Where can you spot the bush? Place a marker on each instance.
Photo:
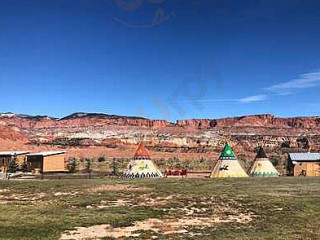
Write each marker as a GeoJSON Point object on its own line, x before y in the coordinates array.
{"type": "Point", "coordinates": [24, 166]}
{"type": "Point", "coordinates": [72, 165]}
{"type": "Point", "coordinates": [275, 160]}
{"type": "Point", "coordinates": [89, 162]}
{"type": "Point", "coordinates": [102, 159]}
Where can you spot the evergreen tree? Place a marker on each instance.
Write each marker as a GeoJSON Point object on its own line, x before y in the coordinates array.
{"type": "Point", "coordinates": [114, 167]}
{"type": "Point", "coordinates": [13, 167]}
{"type": "Point", "coordinates": [89, 162]}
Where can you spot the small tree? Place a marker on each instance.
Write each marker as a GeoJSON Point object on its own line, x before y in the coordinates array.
{"type": "Point", "coordinates": [89, 162]}
{"type": "Point", "coordinates": [114, 167]}
{"type": "Point", "coordinates": [13, 166]}
{"type": "Point", "coordinates": [72, 165]}
{"type": "Point", "coordinates": [24, 166]}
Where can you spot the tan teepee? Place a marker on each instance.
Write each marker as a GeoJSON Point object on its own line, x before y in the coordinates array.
{"type": "Point", "coordinates": [227, 165]}
{"type": "Point", "coordinates": [141, 166]}
{"type": "Point", "coordinates": [262, 167]}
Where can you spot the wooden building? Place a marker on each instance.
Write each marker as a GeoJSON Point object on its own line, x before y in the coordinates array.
{"type": "Point", "coordinates": [303, 164]}
{"type": "Point", "coordinates": [44, 162]}
{"type": "Point", "coordinates": [6, 157]}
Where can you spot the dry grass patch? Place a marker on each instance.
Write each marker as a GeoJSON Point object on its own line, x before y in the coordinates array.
{"type": "Point", "coordinates": [57, 194]}
{"type": "Point", "coordinates": [190, 212]}
{"type": "Point", "coordinates": [158, 226]}
{"type": "Point", "coordinates": [143, 200]}
{"type": "Point", "coordinates": [116, 188]}
{"type": "Point", "coordinates": [15, 197]}
{"type": "Point", "coordinates": [4, 190]}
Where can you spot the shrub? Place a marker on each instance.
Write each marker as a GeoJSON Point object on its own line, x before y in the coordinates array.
{"type": "Point", "coordinates": [24, 166]}
{"type": "Point", "coordinates": [114, 167]}
{"type": "Point", "coordinates": [89, 162]}
{"type": "Point", "coordinates": [102, 159]}
{"type": "Point", "coordinates": [72, 165]}
{"type": "Point", "coordinates": [275, 160]}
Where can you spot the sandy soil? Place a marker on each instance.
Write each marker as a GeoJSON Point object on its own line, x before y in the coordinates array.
{"type": "Point", "coordinates": [158, 226]}
{"type": "Point", "coordinates": [195, 213]}
{"type": "Point", "coordinates": [119, 188]}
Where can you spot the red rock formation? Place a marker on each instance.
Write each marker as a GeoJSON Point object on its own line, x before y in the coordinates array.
{"type": "Point", "coordinates": [8, 133]}
{"type": "Point", "coordinates": [185, 136]}
{"type": "Point", "coordinates": [264, 120]}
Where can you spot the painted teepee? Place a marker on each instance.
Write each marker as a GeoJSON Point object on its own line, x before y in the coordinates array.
{"type": "Point", "coordinates": [262, 167]}
{"type": "Point", "coordinates": [141, 166]}
{"type": "Point", "coordinates": [227, 165]}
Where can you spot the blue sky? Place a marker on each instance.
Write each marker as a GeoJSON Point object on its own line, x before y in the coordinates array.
{"type": "Point", "coordinates": [167, 59]}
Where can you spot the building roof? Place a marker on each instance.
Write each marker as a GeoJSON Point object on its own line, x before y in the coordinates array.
{"type": "Point", "coordinates": [261, 153]}
{"type": "Point", "coordinates": [227, 153]}
{"type": "Point", "coordinates": [12, 153]}
{"type": "Point", "coordinates": [304, 157]}
{"type": "Point", "coordinates": [46, 154]}
{"type": "Point", "coordinates": [141, 151]}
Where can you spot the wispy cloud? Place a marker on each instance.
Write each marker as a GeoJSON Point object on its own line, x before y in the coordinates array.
{"type": "Point", "coordinates": [249, 99]}
{"type": "Point", "coordinates": [307, 80]}
{"type": "Point", "coordinates": [254, 98]}
{"type": "Point", "coordinates": [206, 100]}
{"type": "Point", "coordinates": [303, 81]}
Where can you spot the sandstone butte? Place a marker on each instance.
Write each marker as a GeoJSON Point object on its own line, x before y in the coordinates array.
{"type": "Point", "coordinates": [93, 134]}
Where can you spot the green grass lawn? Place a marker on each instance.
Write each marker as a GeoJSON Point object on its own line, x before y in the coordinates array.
{"type": "Point", "coordinates": [279, 208]}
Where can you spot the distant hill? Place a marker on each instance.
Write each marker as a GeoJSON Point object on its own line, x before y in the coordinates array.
{"type": "Point", "coordinates": [184, 138]}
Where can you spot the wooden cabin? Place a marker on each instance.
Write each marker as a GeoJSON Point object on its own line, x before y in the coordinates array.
{"type": "Point", "coordinates": [303, 164]}
{"type": "Point", "coordinates": [45, 162]}
{"type": "Point", "coordinates": [6, 157]}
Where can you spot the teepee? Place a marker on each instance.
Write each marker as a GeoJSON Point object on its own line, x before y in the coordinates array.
{"type": "Point", "coordinates": [227, 165]}
{"type": "Point", "coordinates": [141, 166]}
{"type": "Point", "coordinates": [262, 167]}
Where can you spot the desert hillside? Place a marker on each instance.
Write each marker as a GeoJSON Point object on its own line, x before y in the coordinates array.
{"type": "Point", "coordinates": [90, 134]}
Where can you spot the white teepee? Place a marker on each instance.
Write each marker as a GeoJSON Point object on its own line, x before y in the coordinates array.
{"type": "Point", "coordinates": [141, 166]}
{"type": "Point", "coordinates": [227, 165]}
{"type": "Point", "coordinates": [262, 167]}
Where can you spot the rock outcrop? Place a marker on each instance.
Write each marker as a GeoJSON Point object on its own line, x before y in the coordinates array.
{"type": "Point", "coordinates": [202, 136]}
{"type": "Point", "coordinates": [264, 120]}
